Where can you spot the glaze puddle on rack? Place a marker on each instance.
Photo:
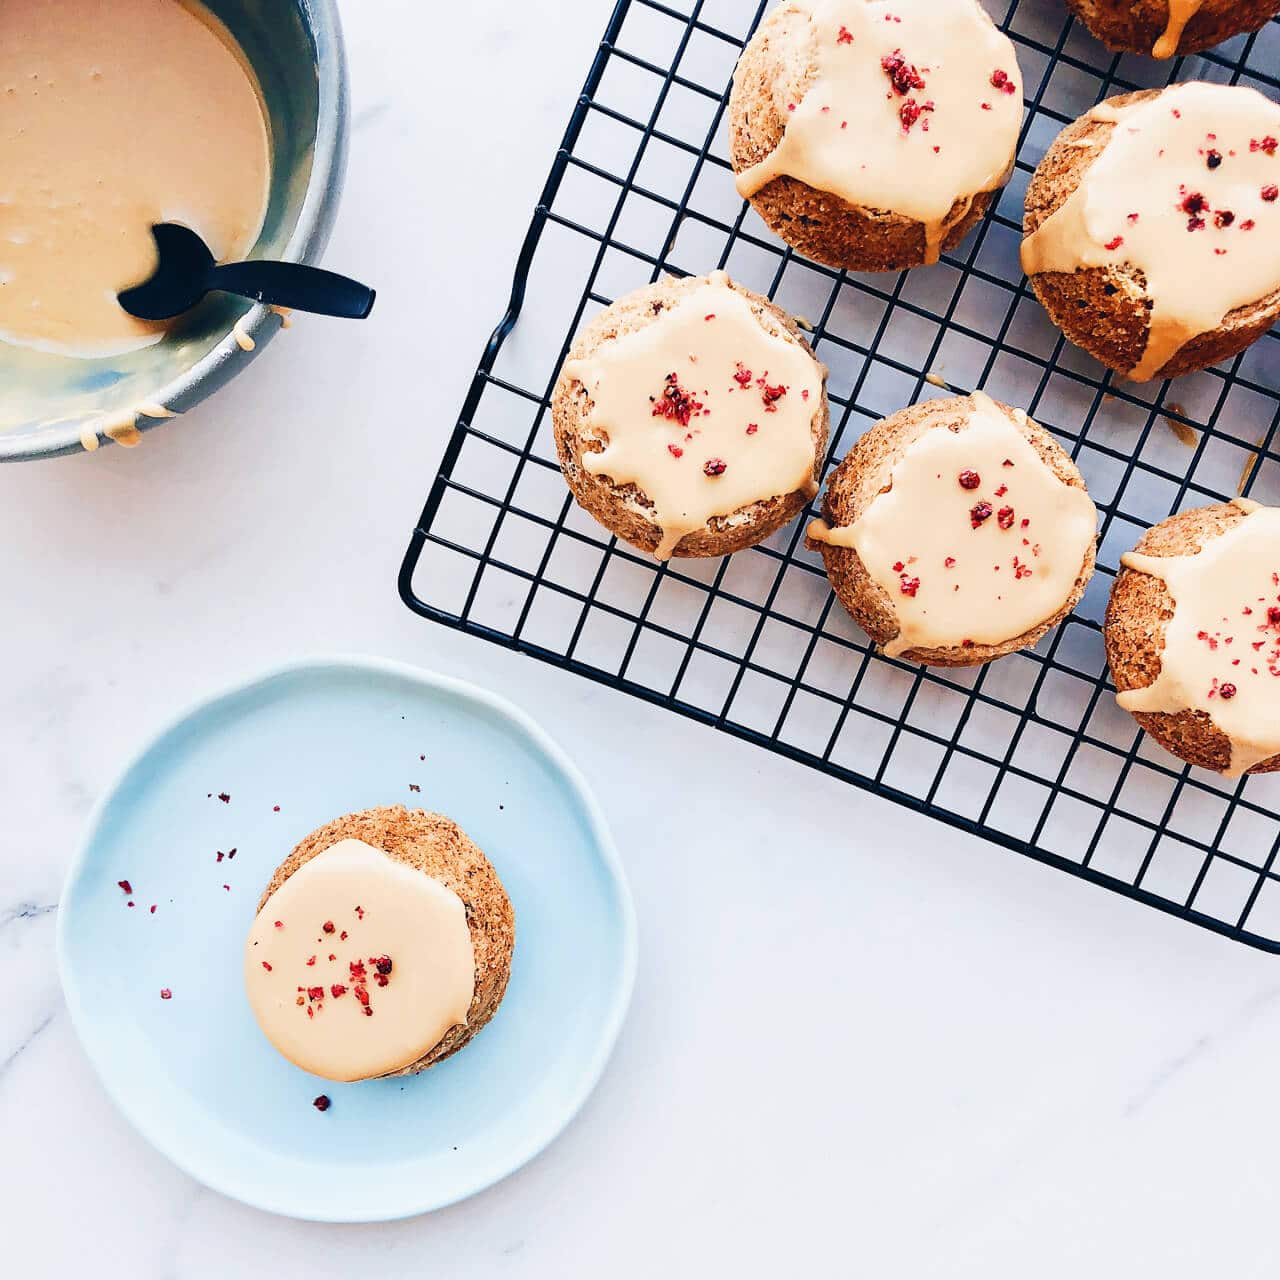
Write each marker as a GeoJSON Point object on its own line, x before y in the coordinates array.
{"type": "Point", "coordinates": [1030, 752]}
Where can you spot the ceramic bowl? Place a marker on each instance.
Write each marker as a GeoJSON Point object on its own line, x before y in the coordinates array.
{"type": "Point", "coordinates": [58, 404]}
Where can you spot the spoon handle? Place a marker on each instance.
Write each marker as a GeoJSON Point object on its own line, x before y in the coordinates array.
{"type": "Point", "coordinates": [290, 284]}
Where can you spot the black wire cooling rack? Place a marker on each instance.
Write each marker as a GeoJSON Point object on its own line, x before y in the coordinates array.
{"type": "Point", "coordinates": [1030, 752]}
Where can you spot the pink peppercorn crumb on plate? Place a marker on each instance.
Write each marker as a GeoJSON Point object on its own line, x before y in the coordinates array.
{"type": "Point", "coordinates": [163, 893]}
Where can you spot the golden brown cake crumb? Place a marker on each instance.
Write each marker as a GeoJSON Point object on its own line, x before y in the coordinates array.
{"type": "Point", "coordinates": [1156, 26]}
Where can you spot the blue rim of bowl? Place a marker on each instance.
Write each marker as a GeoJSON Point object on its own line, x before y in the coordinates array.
{"type": "Point", "coordinates": [306, 244]}
{"type": "Point", "coordinates": [155, 1132]}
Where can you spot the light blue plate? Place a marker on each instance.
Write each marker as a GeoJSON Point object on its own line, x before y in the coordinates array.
{"type": "Point", "coordinates": [194, 1073]}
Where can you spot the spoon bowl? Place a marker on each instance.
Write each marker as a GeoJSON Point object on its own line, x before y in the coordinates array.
{"type": "Point", "coordinates": [178, 282]}
{"type": "Point", "coordinates": [186, 272]}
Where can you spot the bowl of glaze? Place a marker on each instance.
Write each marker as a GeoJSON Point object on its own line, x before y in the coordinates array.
{"type": "Point", "coordinates": [55, 404]}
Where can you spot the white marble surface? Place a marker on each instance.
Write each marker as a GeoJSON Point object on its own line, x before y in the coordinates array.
{"type": "Point", "coordinates": [860, 1044]}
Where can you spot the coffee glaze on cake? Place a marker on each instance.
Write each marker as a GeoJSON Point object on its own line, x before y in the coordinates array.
{"type": "Point", "coordinates": [1193, 636]}
{"type": "Point", "coordinates": [1163, 28]}
{"type": "Point", "coordinates": [1153, 228]}
{"type": "Point", "coordinates": [957, 531]}
{"type": "Point", "coordinates": [358, 964]}
{"type": "Point", "coordinates": [691, 418]}
{"type": "Point", "coordinates": [897, 119]}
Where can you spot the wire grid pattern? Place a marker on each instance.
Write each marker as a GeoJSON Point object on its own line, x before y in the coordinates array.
{"type": "Point", "coordinates": [1031, 751]}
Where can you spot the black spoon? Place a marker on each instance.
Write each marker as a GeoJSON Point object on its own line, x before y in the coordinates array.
{"type": "Point", "coordinates": [187, 272]}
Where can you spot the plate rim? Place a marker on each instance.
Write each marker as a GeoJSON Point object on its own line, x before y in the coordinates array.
{"type": "Point", "coordinates": [515, 717]}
